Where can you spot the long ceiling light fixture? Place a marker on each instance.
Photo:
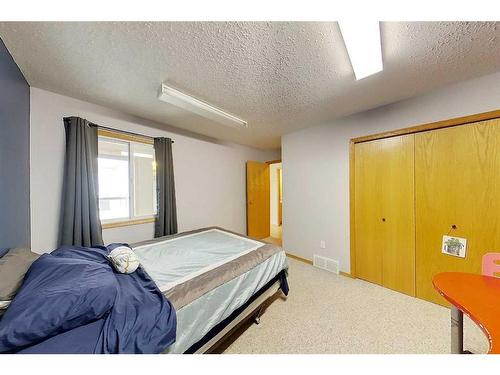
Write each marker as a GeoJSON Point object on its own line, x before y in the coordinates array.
{"type": "Point", "coordinates": [362, 41]}
{"type": "Point", "coordinates": [175, 97]}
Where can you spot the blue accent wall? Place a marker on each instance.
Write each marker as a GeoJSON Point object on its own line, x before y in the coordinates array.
{"type": "Point", "coordinates": [14, 153]}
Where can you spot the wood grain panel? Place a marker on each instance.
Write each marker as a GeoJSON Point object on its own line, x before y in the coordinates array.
{"type": "Point", "coordinates": [258, 200]}
{"type": "Point", "coordinates": [384, 212]}
{"type": "Point", "coordinates": [124, 136]}
{"type": "Point", "coordinates": [369, 171]}
{"type": "Point", "coordinates": [126, 223]}
{"type": "Point", "coordinates": [398, 210]}
{"type": "Point", "coordinates": [457, 175]}
{"type": "Point", "coordinates": [432, 126]}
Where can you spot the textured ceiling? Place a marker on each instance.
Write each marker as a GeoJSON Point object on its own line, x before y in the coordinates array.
{"type": "Point", "coordinates": [279, 76]}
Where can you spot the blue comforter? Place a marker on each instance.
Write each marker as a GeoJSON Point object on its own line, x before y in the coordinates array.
{"type": "Point", "coordinates": [73, 301]}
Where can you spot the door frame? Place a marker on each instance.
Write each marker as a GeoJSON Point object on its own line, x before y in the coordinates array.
{"type": "Point", "coordinates": [484, 116]}
{"type": "Point", "coordinates": [277, 162]}
{"type": "Point", "coordinates": [273, 161]}
{"type": "Point", "coordinates": [269, 162]}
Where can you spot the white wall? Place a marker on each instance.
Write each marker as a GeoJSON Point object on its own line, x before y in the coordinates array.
{"type": "Point", "coordinates": [316, 163]}
{"type": "Point", "coordinates": [209, 175]}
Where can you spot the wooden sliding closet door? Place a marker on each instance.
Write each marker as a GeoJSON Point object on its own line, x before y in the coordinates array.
{"type": "Point", "coordinates": [368, 190]}
{"type": "Point", "coordinates": [398, 269]}
{"type": "Point", "coordinates": [385, 212]}
{"type": "Point", "coordinates": [457, 175]}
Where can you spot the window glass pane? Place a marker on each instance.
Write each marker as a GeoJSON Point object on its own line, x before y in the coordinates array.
{"type": "Point", "coordinates": [144, 179]}
{"type": "Point", "coordinates": [113, 166]}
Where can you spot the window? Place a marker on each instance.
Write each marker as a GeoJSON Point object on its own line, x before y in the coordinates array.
{"type": "Point", "coordinates": [127, 179]}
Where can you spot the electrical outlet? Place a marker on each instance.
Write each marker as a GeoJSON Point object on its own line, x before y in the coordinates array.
{"type": "Point", "coordinates": [322, 244]}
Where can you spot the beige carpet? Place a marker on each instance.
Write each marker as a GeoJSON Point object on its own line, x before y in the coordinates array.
{"type": "Point", "coordinates": [327, 313]}
{"type": "Point", "coordinates": [276, 235]}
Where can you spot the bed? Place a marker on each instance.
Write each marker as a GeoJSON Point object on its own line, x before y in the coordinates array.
{"type": "Point", "coordinates": [215, 279]}
{"type": "Point", "coordinates": [212, 278]}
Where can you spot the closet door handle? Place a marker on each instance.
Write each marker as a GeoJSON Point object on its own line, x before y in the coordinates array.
{"type": "Point", "coordinates": [383, 219]}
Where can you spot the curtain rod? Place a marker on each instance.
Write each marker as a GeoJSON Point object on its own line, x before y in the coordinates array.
{"type": "Point", "coordinates": [126, 132]}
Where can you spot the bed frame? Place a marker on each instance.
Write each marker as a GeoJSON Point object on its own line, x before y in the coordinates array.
{"type": "Point", "coordinates": [250, 310]}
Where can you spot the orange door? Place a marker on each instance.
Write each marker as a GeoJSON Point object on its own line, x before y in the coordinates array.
{"type": "Point", "coordinates": [258, 200]}
{"type": "Point", "coordinates": [458, 194]}
{"type": "Point", "coordinates": [384, 212]}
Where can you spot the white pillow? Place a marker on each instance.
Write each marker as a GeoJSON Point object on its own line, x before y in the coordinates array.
{"type": "Point", "coordinates": [124, 260]}
{"type": "Point", "coordinates": [3, 307]}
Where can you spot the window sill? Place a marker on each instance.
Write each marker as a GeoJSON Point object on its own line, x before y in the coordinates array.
{"type": "Point", "coordinates": [126, 223]}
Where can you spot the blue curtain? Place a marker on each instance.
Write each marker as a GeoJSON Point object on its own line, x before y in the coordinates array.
{"type": "Point", "coordinates": [80, 223]}
{"type": "Point", "coordinates": [166, 219]}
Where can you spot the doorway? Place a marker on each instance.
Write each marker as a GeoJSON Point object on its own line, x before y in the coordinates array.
{"type": "Point", "coordinates": [276, 203]}
{"type": "Point", "coordinates": [265, 200]}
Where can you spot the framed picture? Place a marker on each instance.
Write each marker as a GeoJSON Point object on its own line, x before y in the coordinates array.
{"type": "Point", "coordinates": [455, 246]}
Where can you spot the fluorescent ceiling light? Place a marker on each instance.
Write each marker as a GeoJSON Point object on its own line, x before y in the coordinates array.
{"type": "Point", "coordinates": [362, 40]}
{"type": "Point", "coordinates": [175, 97]}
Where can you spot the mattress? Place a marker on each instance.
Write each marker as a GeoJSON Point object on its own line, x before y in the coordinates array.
{"type": "Point", "coordinates": [207, 274]}
{"type": "Point", "coordinates": [175, 260]}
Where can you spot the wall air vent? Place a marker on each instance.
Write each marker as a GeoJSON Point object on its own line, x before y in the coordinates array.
{"type": "Point", "coordinates": [327, 264]}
